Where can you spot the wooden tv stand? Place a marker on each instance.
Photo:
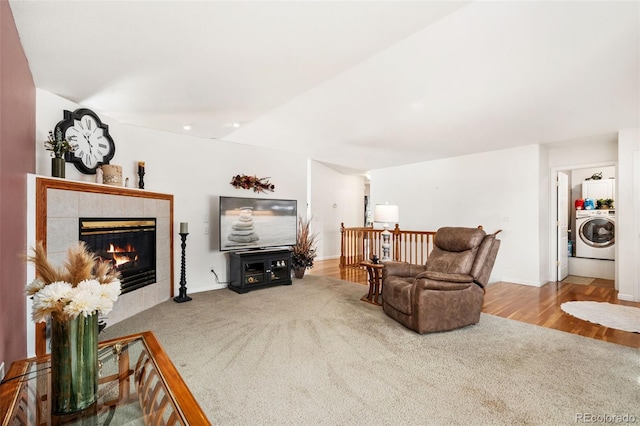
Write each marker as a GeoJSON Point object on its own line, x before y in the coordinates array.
{"type": "Point", "coordinates": [255, 269]}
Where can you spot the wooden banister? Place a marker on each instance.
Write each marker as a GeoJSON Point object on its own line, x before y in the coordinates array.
{"type": "Point", "coordinates": [361, 243]}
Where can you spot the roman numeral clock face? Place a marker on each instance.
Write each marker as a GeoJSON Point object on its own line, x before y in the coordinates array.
{"type": "Point", "coordinates": [90, 137]}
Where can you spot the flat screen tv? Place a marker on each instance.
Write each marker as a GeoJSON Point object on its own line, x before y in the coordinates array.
{"type": "Point", "coordinates": [257, 223]}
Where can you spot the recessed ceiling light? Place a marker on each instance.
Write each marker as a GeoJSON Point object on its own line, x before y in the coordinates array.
{"type": "Point", "coordinates": [236, 125]}
{"type": "Point", "coordinates": [187, 127]}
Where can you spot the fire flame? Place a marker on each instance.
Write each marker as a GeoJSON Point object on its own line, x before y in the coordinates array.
{"type": "Point", "coordinates": [122, 255]}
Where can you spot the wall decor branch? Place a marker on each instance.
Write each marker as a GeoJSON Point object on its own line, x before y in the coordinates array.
{"type": "Point", "coordinates": [252, 182]}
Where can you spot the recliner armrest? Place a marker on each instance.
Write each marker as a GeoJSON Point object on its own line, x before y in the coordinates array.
{"type": "Point", "coordinates": [401, 269]}
{"type": "Point", "coordinates": [427, 284]}
{"type": "Point", "coordinates": [430, 280]}
{"type": "Point", "coordinates": [442, 276]}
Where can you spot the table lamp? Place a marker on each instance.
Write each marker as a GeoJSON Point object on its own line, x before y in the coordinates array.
{"type": "Point", "coordinates": [385, 214]}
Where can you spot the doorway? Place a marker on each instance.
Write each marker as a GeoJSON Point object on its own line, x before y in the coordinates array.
{"type": "Point", "coordinates": [572, 257]}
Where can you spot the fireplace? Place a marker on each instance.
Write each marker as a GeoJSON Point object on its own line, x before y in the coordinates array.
{"type": "Point", "coordinates": [128, 243]}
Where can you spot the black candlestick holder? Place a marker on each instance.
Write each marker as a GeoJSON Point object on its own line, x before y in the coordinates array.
{"type": "Point", "coordinates": [182, 295]}
{"type": "Point", "coordinates": [140, 178]}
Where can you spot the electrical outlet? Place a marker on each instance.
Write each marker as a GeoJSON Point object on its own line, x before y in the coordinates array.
{"type": "Point", "coordinates": [206, 230]}
{"type": "Point", "coordinates": [206, 218]}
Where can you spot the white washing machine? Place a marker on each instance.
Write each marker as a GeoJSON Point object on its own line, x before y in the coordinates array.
{"type": "Point", "coordinates": [596, 234]}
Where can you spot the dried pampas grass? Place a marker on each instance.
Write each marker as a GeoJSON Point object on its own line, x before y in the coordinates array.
{"type": "Point", "coordinates": [47, 272]}
{"type": "Point", "coordinates": [81, 265]}
{"type": "Point", "coordinates": [304, 251]}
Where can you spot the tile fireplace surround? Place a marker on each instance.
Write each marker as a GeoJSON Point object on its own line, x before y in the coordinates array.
{"type": "Point", "coordinates": [60, 203]}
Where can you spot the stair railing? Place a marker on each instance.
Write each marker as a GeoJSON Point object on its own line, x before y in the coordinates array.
{"type": "Point", "coordinates": [361, 243]}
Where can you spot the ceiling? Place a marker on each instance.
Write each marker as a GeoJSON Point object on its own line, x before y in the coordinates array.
{"type": "Point", "coordinates": [358, 85]}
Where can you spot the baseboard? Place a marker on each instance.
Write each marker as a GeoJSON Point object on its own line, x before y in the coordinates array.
{"type": "Point", "coordinates": [626, 297]}
{"type": "Point", "coordinates": [216, 286]}
{"type": "Point", "coordinates": [337, 256]}
{"type": "Point", "coordinates": [523, 282]}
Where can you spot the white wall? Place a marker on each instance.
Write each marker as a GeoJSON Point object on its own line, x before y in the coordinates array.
{"type": "Point", "coordinates": [195, 170]}
{"type": "Point", "coordinates": [584, 152]}
{"type": "Point", "coordinates": [335, 198]}
{"type": "Point", "coordinates": [627, 220]}
{"type": "Point", "coordinates": [544, 223]}
{"type": "Point", "coordinates": [497, 189]}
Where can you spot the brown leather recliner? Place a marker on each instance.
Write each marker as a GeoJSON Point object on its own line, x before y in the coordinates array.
{"type": "Point", "coordinates": [448, 291]}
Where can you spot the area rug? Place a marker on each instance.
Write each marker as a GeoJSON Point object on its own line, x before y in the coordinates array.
{"type": "Point", "coordinates": [572, 279]}
{"type": "Point", "coordinates": [312, 353]}
{"type": "Point", "coordinates": [620, 317]}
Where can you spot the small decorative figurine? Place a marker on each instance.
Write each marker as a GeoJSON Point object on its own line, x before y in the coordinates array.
{"type": "Point", "coordinates": [595, 176]}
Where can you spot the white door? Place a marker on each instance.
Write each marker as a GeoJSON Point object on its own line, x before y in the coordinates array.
{"type": "Point", "coordinates": [562, 189]}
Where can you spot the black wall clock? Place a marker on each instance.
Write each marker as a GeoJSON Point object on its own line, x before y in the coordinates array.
{"type": "Point", "coordinates": [94, 146]}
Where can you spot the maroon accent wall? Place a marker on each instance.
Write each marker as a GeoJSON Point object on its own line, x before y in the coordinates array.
{"type": "Point", "coordinates": [17, 158]}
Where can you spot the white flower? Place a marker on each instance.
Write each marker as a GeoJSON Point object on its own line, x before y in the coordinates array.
{"type": "Point", "coordinates": [85, 301]}
{"type": "Point", "coordinates": [111, 290]}
{"type": "Point", "coordinates": [89, 285]}
{"type": "Point", "coordinates": [109, 295]}
{"type": "Point", "coordinates": [51, 296]}
{"type": "Point", "coordinates": [105, 306]}
{"type": "Point", "coordinates": [35, 286]}
{"type": "Point", "coordinates": [50, 299]}
{"type": "Point", "coordinates": [87, 298]}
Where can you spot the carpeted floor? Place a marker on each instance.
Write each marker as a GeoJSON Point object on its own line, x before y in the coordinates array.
{"type": "Point", "coordinates": [313, 353]}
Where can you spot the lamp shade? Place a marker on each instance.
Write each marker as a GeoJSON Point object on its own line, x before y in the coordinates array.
{"type": "Point", "coordinates": [385, 213]}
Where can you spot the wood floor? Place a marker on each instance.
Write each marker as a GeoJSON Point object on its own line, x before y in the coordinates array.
{"type": "Point", "coordinates": [533, 305]}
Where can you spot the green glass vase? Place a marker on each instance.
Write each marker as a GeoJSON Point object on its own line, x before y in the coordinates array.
{"type": "Point", "coordinates": [74, 363]}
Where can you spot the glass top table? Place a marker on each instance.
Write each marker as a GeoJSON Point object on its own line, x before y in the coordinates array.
{"type": "Point", "coordinates": [138, 385]}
